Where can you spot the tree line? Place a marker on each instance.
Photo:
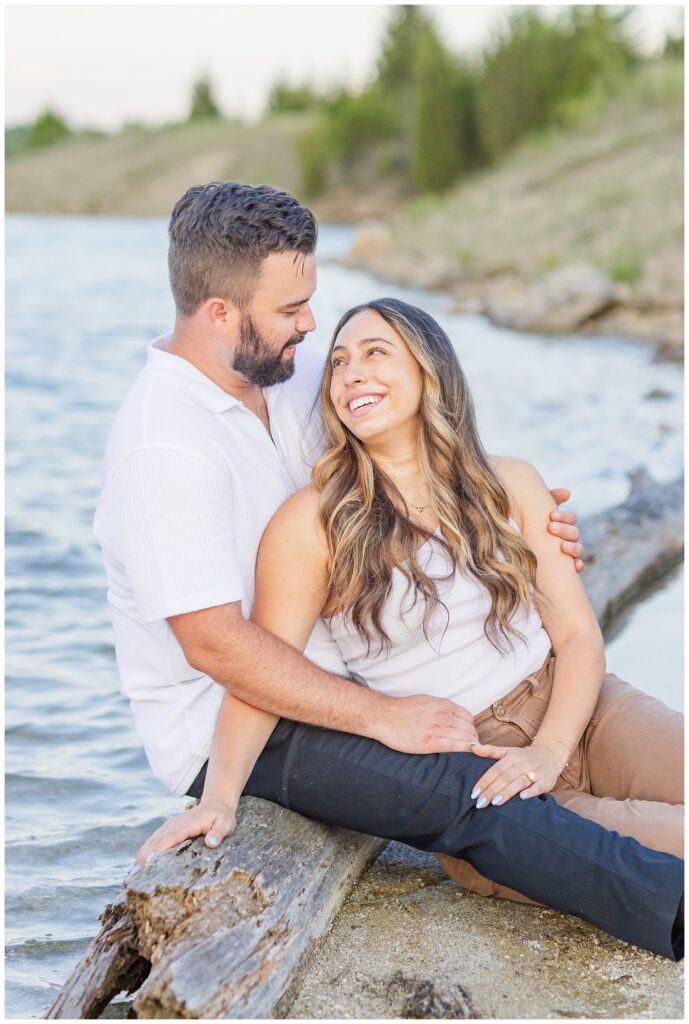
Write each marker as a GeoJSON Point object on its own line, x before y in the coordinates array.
{"type": "Point", "coordinates": [429, 116]}
{"type": "Point", "coordinates": [51, 126]}
{"type": "Point", "coordinates": [432, 116]}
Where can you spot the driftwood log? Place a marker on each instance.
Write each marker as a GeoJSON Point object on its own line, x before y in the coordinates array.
{"type": "Point", "coordinates": [221, 934]}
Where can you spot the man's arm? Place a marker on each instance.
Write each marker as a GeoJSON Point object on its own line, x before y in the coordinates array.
{"type": "Point", "coordinates": [263, 666]}
{"type": "Point", "coordinates": [262, 670]}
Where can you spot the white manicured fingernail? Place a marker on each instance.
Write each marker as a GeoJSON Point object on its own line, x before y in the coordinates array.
{"type": "Point", "coordinates": [524, 795]}
{"type": "Point", "coordinates": [212, 840]}
{"type": "Point", "coordinates": [476, 792]}
{"type": "Point", "coordinates": [133, 869]}
{"type": "Point", "coordinates": [151, 856]}
{"type": "Point", "coordinates": [497, 799]}
{"type": "Point", "coordinates": [482, 802]}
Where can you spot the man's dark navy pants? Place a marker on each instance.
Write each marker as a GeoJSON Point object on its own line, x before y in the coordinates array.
{"type": "Point", "coordinates": [534, 846]}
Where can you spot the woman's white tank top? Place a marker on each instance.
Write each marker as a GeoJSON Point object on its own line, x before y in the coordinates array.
{"type": "Point", "coordinates": [456, 661]}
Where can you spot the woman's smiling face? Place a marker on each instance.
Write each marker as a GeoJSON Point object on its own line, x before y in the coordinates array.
{"type": "Point", "coordinates": [376, 382]}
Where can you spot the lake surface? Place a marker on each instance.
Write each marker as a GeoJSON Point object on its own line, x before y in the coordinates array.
{"type": "Point", "coordinates": [84, 299]}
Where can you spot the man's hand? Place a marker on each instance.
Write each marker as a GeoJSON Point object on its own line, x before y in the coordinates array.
{"type": "Point", "coordinates": [564, 525]}
{"type": "Point", "coordinates": [426, 725]}
{"type": "Point", "coordinates": [213, 819]}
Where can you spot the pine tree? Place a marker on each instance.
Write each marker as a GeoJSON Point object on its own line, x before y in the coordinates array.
{"type": "Point", "coordinates": [203, 105]}
{"type": "Point", "coordinates": [48, 128]}
{"type": "Point", "coordinates": [436, 128]}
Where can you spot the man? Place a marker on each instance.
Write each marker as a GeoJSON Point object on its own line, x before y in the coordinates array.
{"type": "Point", "coordinates": [198, 460]}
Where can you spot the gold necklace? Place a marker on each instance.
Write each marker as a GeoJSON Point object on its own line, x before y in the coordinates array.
{"type": "Point", "coordinates": [419, 508]}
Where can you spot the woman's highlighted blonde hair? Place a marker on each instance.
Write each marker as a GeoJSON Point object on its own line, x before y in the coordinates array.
{"type": "Point", "coordinates": [366, 519]}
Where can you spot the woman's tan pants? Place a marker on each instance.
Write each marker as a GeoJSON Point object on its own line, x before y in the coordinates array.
{"type": "Point", "coordinates": [626, 773]}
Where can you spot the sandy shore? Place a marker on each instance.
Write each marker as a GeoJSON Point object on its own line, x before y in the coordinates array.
{"type": "Point", "coordinates": [408, 942]}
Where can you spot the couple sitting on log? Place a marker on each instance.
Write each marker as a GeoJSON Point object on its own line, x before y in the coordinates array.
{"type": "Point", "coordinates": [258, 503]}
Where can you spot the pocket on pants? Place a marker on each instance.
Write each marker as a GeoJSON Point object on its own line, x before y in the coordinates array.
{"type": "Point", "coordinates": [516, 718]}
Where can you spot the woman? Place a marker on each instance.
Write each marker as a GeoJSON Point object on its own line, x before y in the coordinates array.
{"type": "Point", "coordinates": [429, 562]}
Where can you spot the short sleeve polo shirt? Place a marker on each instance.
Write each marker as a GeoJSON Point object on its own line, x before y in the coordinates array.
{"type": "Point", "coordinates": [191, 478]}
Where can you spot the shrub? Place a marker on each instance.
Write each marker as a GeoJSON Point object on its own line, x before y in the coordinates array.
{"type": "Point", "coordinates": [47, 129]}
{"type": "Point", "coordinates": [348, 127]}
{"type": "Point", "coordinates": [535, 69]}
{"type": "Point", "coordinates": [203, 106]}
{"type": "Point", "coordinates": [289, 99]}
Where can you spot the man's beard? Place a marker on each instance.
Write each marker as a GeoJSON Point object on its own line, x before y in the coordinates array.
{"type": "Point", "coordinates": [255, 361]}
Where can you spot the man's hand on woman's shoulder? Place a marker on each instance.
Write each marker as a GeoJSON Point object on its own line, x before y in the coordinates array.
{"type": "Point", "coordinates": [518, 475]}
{"type": "Point", "coordinates": [563, 523]}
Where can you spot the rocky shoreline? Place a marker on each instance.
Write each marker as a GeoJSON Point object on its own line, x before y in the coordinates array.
{"type": "Point", "coordinates": [577, 231]}
{"type": "Point", "coordinates": [577, 298]}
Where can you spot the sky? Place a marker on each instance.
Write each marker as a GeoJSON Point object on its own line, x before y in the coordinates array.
{"type": "Point", "coordinates": [104, 64]}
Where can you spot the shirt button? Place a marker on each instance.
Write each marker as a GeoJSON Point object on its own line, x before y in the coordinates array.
{"type": "Point", "coordinates": [500, 710]}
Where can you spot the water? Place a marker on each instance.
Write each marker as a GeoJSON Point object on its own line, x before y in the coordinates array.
{"type": "Point", "coordinates": [84, 298]}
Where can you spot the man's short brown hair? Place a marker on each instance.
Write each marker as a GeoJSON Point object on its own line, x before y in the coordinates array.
{"type": "Point", "coordinates": [221, 232]}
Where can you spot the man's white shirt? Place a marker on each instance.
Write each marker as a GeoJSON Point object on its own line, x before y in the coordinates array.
{"type": "Point", "coordinates": [191, 478]}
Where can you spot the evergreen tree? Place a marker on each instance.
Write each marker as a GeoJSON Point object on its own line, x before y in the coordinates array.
{"type": "Point", "coordinates": [436, 126]}
{"type": "Point", "coordinates": [408, 27]}
{"type": "Point", "coordinates": [674, 47]}
{"type": "Point", "coordinates": [535, 68]}
{"type": "Point", "coordinates": [203, 105]}
{"type": "Point", "coordinates": [48, 128]}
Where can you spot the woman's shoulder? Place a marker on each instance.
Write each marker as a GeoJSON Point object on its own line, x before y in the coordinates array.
{"type": "Point", "coordinates": [292, 565]}
{"type": "Point", "coordinates": [512, 469]}
{"type": "Point", "coordinates": [524, 484]}
{"type": "Point", "coordinates": [297, 519]}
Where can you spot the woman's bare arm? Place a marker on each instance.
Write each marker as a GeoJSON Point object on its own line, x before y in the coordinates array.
{"type": "Point", "coordinates": [291, 584]}
{"type": "Point", "coordinates": [574, 632]}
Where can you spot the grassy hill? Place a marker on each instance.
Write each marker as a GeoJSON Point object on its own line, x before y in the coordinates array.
{"type": "Point", "coordinates": [144, 171]}
{"type": "Point", "coordinates": [607, 190]}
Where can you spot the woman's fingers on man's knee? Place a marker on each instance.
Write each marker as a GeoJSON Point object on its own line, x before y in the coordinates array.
{"type": "Point", "coordinates": [511, 788]}
{"type": "Point", "coordinates": [490, 784]}
{"type": "Point", "coordinates": [500, 783]}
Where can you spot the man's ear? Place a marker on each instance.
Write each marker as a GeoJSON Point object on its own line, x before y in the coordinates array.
{"type": "Point", "coordinates": [222, 316]}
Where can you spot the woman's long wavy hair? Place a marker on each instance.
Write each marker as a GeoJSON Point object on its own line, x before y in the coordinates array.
{"type": "Point", "coordinates": [366, 519]}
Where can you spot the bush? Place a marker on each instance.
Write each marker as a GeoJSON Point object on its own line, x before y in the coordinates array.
{"type": "Point", "coordinates": [534, 71]}
{"type": "Point", "coordinates": [625, 265]}
{"type": "Point", "coordinates": [203, 106]}
{"type": "Point", "coordinates": [16, 140]}
{"type": "Point", "coordinates": [674, 47]}
{"type": "Point", "coordinates": [348, 127]}
{"type": "Point", "coordinates": [47, 129]}
{"type": "Point", "coordinates": [288, 99]}
{"type": "Point", "coordinates": [430, 118]}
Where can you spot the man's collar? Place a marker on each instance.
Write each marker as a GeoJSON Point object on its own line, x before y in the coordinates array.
{"type": "Point", "coordinates": [184, 375]}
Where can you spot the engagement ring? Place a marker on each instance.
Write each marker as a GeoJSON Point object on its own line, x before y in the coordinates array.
{"type": "Point", "coordinates": [531, 776]}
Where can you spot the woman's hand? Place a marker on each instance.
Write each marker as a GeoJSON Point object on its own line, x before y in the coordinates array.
{"type": "Point", "coordinates": [508, 775]}
{"type": "Point", "coordinates": [211, 818]}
